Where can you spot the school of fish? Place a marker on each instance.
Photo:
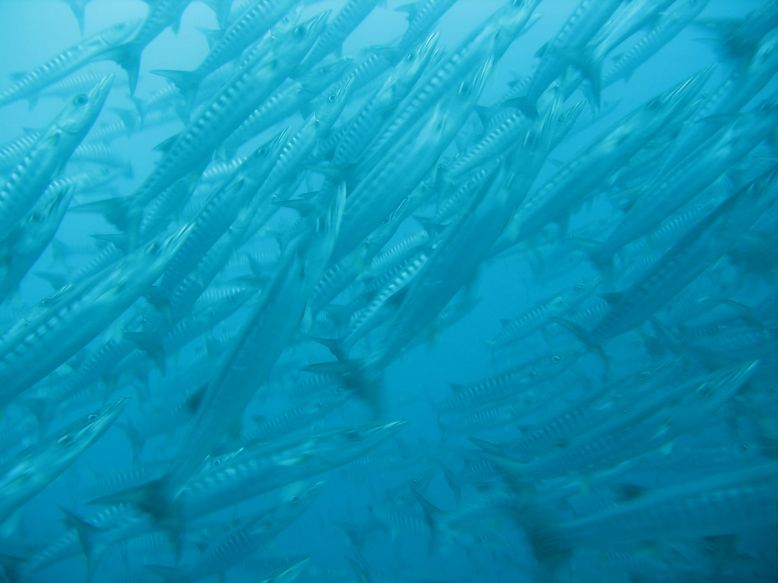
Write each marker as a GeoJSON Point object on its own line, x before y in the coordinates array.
{"type": "Point", "coordinates": [454, 306]}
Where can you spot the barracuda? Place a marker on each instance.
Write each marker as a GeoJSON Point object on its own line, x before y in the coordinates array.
{"type": "Point", "coordinates": [193, 148]}
{"type": "Point", "coordinates": [25, 245]}
{"type": "Point", "coordinates": [668, 193]}
{"type": "Point", "coordinates": [567, 49]}
{"type": "Point", "coordinates": [389, 183]}
{"type": "Point", "coordinates": [66, 322]}
{"type": "Point", "coordinates": [44, 161]}
{"type": "Point", "coordinates": [30, 84]}
{"type": "Point", "coordinates": [345, 21]}
{"type": "Point", "coordinates": [285, 102]}
{"type": "Point", "coordinates": [251, 25]}
{"type": "Point", "coordinates": [161, 14]}
{"type": "Point", "coordinates": [35, 468]}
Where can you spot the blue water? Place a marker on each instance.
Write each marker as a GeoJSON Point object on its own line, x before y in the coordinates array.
{"type": "Point", "coordinates": [492, 543]}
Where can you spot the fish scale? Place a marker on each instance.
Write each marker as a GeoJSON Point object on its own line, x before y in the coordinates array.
{"type": "Point", "coordinates": [12, 152]}
{"type": "Point", "coordinates": [490, 145]}
{"type": "Point", "coordinates": [508, 384]}
{"type": "Point", "coordinates": [193, 147]}
{"type": "Point", "coordinates": [66, 62]}
{"type": "Point", "coordinates": [669, 192]}
{"type": "Point", "coordinates": [451, 70]}
{"type": "Point", "coordinates": [361, 127]}
{"type": "Point", "coordinates": [28, 355]}
{"type": "Point", "coordinates": [719, 504]}
{"type": "Point", "coordinates": [43, 162]}
{"type": "Point", "coordinates": [345, 21]}
{"type": "Point", "coordinates": [421, 19]}
{"type": "Point", "coordinates": [672, 21]}
{"type": "Point", "coordinates": [414, 201]}
{"type": "Point", "coordinates": [361, 322]}
{"type": "Point", "coordinates": [283, 103]}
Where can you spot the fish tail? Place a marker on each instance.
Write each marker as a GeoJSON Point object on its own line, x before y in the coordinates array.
{"type": "Point", "coordinates": [362, 377]}
{"type": "Point", "coordinates": [127, 57]}
{"type": "Point", "coordinates": [548, 546]}
{"type": "Point", "coordinates": [135, 438]}
{"type": "Point", "coordinates": [187, 82]}
{"type": "Point", "coordinates": [87, 538]}
{"type": "Point", "coordinates": [584, 338]}
{"type": "Point", "coordinates": [433, 517]}
{"type": "Point", "coordinates": [79, 12]}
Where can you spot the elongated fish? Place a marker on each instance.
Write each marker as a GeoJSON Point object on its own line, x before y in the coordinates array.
{"type": "Point", "coordinates": [43, 162]}
{"type": "Point", "coordinates": [71, 59]}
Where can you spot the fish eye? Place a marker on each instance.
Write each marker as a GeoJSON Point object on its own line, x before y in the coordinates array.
{"type": "Point", "coordinates": [332, 98]}
{"type": "Point", "coordinates": [80, 100]}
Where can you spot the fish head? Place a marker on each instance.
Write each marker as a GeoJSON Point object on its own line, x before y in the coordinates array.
{"type": "Point", "coordinates": [298, 39]}
{"type": "Point", "coordinates": [512, 20]}
{"type": "Point", "coordinates": [170, 244]}
{"type": "Point", "coordinates": [301, 495]}
{"type": "Point", "coordinates": [585, 287]}
{"type": "Point", "coordinates": [269, 149]}
{"type": "Point", "coordinates": [60, 197]}
{"type": "Point", "coordinates": [417, 58]}
{"type": "Point", "coordinates": [333, 101]}
{"type": "Point", "coordinates": [276, 36]}
{"type": "Point", "coordinates": [676, 98]}
{"type": "Point", "coordinates": [325, 73]}
{"type": "Point", "coordinates": [118, 34]}
{"type": "Point", "coordinates": [84, 108]}
{"type": "Point", "coordinates": [367, 436]}
{"type": "Point", "coordinates": [158, 251]}
{"type": "Point", "coordinates": [471, 88]}
{"type": "Point", "coordinates": [90, 427]}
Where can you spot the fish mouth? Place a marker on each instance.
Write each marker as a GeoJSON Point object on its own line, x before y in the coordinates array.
{"type": "Point", "coordinates": [114, 38]}
{"type": "Point", "coordinates": [102, 89]}
{"type": "Point", "coordinates": [114, 409]}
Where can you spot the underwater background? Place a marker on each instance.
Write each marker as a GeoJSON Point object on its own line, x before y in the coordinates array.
{"type": "Point", "coordinates": [500, 308]}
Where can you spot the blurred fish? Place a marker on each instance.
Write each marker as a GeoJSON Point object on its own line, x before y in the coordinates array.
{"type": "Point", "coordinates": [45, 160]}
{"type": "Point", "coordinates": [347, 204]}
